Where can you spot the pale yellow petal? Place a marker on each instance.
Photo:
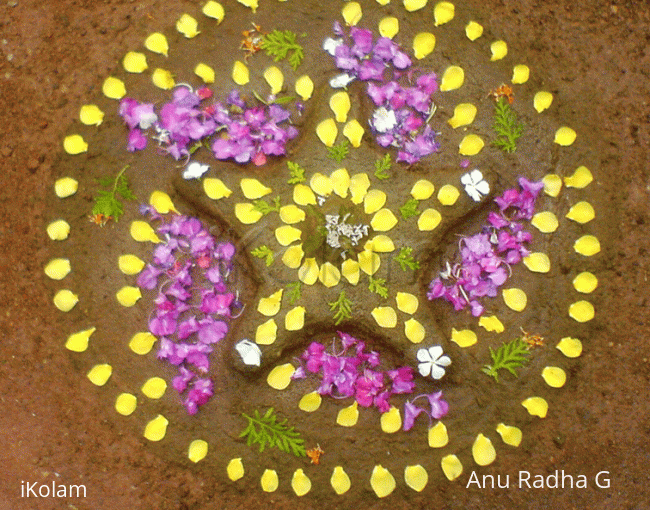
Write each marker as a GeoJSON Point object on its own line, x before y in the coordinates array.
{"type": "Point", "coordinates": [354, 132]}
{"type": "Point", "coordinates": [303, 195]}
{"type": "Point", "coordinates": [520, 74]}
{"type": "Point", "coordinates": [340, 105]}
{"type": "Point", "coordinates": [205, 72]}
{"type": "Point", "coordinates": [269, 480]}
{"type": "Point", "coordinates": [412, 5]}
{"type": "Point", "coordinates": [235, 469]}
{"type": "Point", "coordinates": [274, 78]}
{"type": "Point", "coordinates": [327, 132]}
{"type": "Point", "coordinates": [141, 343]}
{"type": "Point", "coordinates": [491, 323]}
{"type": "Point", "coordinates": [214, 10]}
{"type": "Point", "coordinates": [581, 178]}
{"type": "Point", "coordinates": [280, 377]}
{"type": "Point", "coordinates": [542, 101]}
{"type": "Point", "coordinates": [429, 220]}
{"type": "Point", "coordinates": [270, 306]}
{"type": "Point", "coordinates": [286, 234]}
{"type": "Point", "coordinates": [340, 481]}
{"type": "Point", "coordinates": [247, 214]}
{"type": "Point", "coordinates": [128, 295]}
{"type": "Point", "coordinates": [585, 282]}
{"type": "Point", "coordinates": [471, 145]}
{"type": "Point", "coordinates": [382, 481]}
{"type": "Point", "coordinates": [329, 275]}
{"type": "Point", "coordinates": [383, 220]}
{"type": "Point", "coordinates": [266, 333]}
{"type": "Point", "coordinates": [309, 271]}
{"type": "Point", "coordinates": [300, 483]}
{"type": "Point", "coordinates": [552, 185]}
{"type": "Point", "coordinates": [570, 347]}
{"type": "Point", "coordinates": [388, 27]}
{"type": "Point", "coordinates": [385, 316]}
{"type": "Point", "coordinates": [290, 214]}
{"type": "Point", "coordinates": [292, 257]}
{"type": "Point", "coordinates": [565, 136]}
{"type": "Point", "coordinates": [555, 377]}
{"type": "Point", "coordinates": [452, 79]}
{"type": "Point", "coordinates": [310, 402]}
{"type": "Point", "coordinates": [443, 13]}
{"type": "Point", "coordinates": [438, 436]}
{"type": "Point", "coordinates": [538, 262]}
{"type": "Point", "coordinates": [451, 467]}
{"type": "Point", "coordinates": [473, 30]}
{"type": "Point", "coordinates": [582, 311]}
{"type": "Point", "coordinates": [391, 420]}
{"type": "Point", "coordinates": [142, 232]}
{"type": "Point", "coordinates": [163, 79]}
{"type": "Point", "coordinates": [373, 201]}
{"type": "Point", "coordinates": [510, 435]}
{"type": "Point", "coordinates": [348, 416]}
{"type": "Point", "coordinates": [422, 190]}
{"type": "Point", "coordinates": [113, 88]}
{"type": "Point", "coordinates": [321, 184]}
{"type": "Point", "coordinates": [252, 4]}
{"type": "Point", "coordinates": [254, 189]}
{"type": "Point", "coordinates": [162, 202]}
{"type": "Point", "coordinates": [536, 406]}
{"type": "Point", "coordinates": [359, 184]}
{"type": "Point", "coordinates": [483, 451]}
{"type": "Point", "coordinates": [414, 331]}
{"type": "Point", "coordinates": [464, 337]}
{"type": "Point", "coordinates": [369, 262]}
{"type": "Point", "coordinates": [90, 115]}
{"type": "Point", "coordinates": [157, 43]}
{"type": "Point", "coordinates": [78, 342]}
{"type": "Point", "coordinates": [65, 300]}
{"type": "Point", "coordinates": [582, 212]}
{"type": "Point", "coordinates": [352, 13]}
{"type": "Point", "coordinates": [587, 245]}
{"type": "Point", "coordinates": [340, 182]}
{"type": "Point", "coordinates": [100, 374]}
{"type": "Point", "coordinates": [215, 188]}
{"type": "Point", "coordinates": [464, 115]}
{"type": "Point", "coordinates": [125, 404]}
{"type": "Point", "coordinates": [416, 477]}
{"type": "Point", "coordinates": [130, 264]}
{"type": "Point", "coordinates": [351, 271]}
{"type": "Point", "coordinates": [304, 87]}
{"type": "Point", "coordinates": [380, 244]}
{"type": "Point", "coordinates": [57, 269]}
{"type": "Point", "coordinates": [74, 144]}
{"type": "Point", "coordinates": [515, 299]}
{"type": "Point", "coordinates": [197, 450]}
{"type": "Point", "coordinates": [448, 194]}
{"type": "Point", "coordinates": [154, 387]}
{"type": "Point", "coordinates": [156, 428]}
{"type": "Point", "coordinates": [135, 62]}
{"type": "Point", "coordinates": [423, 44]}
{"type": "Point", "coordinates": [240, 74]}
{"type": "Point", "coordinates": [407, 303]}
{"type": "Point", "coordinates": [499, 50]}
{"type": "Point", "coordinates": [58, 230]}
{"type": "Point", "coordinates": [188, 26]}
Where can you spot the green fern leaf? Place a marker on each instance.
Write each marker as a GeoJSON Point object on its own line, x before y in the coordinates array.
{"type": "Point", "coordinates": [266, 431]}
{"type": "Point", "coordinates": [509, 356]}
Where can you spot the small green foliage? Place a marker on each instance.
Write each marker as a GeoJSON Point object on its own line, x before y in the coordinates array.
{"type": "Point", "coordinates": [279, 43]}
{"type": "Point", "coordinates": [267, 431]}
{"type": "Point", "coordinates": [406, 260]}
{"type": "Point", "coordinates": [107, 202]}
{"type": "Point", "coordinates": [294, 291]}
{"type": "Point", "coordinates": [339, 152]}
{"type": "Point", "coordinates": [410, 209]}
{"type": "Point", "coordinates": [378, 286]}
{"type": "Point", "coordinates": [273, 100]}
{"type": "Point", "coordinates": [382, 166]}
{"type": "Point", "coordinates": [342, 308]}
{"type": "Point", "coordinates": [510, 356]}
{"type": "Point", "coordinates": [265, 208]}
{"type": "Point", "coordinates": [297, 173]}
{"type": "Point", "coordinates": [263, 252]}
{"type": "Point", "coordinates": [508, 129]}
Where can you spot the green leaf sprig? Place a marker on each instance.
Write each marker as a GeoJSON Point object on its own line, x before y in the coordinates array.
{"type": "Point", "coordinates": [268, 431]}
{"type": "Point", "coordinates": [508, 129]}
{"type": "Point", "coordinates": [342, 308]}
{"type": "Point", "coordinates": [296, 172]}
{"type": "Point", "coordinates": [108, 202]}
{"type": "Point", "coordinates": [409, 209]}
{"type": "Point", "coordinates": [279, 43]}
{"type": "Point", "coordinates": [509, 356]}
{"type": "Point", "coordinates": [263, 252]}
{"type": "Point", "coordinates": [294, 291]}
{"type": "Point", "coordinates": [405, 259]}
{"type": "Point", "coordinates": [382, 166]}
{"type": "Point", "coordinates": [378, 286]}
{"type": "Point", "coordinates": [339, 152]}
{"type": "Point", "coordinates": [265, 208]}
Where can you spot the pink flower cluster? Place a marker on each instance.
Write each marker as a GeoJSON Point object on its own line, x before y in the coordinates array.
{"type": "Point", "coordinates": [189, 260]}
{"type": "Point", "coordinates": [486, 257]}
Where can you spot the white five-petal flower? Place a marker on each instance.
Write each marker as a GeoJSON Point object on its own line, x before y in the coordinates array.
{"type": "Point", "coordinates": [195, 170]}
{"type": "Point", "coordinates": [432, 362]}
{"type": "Point", "coordinates": [475, 186]}
{"type": "Point", "coordinates": [340, 81]}
{"type": "Point", "coordinates": [383, 119]}
{"type": "Point", "coordinates": [249, 351]}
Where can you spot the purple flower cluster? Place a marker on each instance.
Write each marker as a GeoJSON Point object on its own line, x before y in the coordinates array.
{"type": "Point", "coordinates": [189, 317]}
{"type": "Point", "coordinates": [486, 257]}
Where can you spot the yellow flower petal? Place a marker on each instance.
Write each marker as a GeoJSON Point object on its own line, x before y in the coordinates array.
{"type": "Point", "coordinates": [416, 477]}
{"type": "Point", "coordinates": [254, 189]}
{"type": "Point", "coordinates": [135, 62]}
{"type": "Point", "coordinates": [154, 388]}
{"type": "Point", "coordinates": [157, 43]}
{"type": "Point", "coordinates": [309, 271]}
{"type": "Point", "coordinates": [585, 282]}
{"type": "Point", "coordinates": [252, 4]}
{"type": "Point", "coordinates": [353, 131]}
{"type": "Point", "coordinates": [321, 184]}
{"type": "Point", "coordinates": [414, 331]}
{"type": "Point", "coordinates": [570, 347]}
{"type": "Point", "coordinates": [240, 74]}
{"type": "Point", "coordinates": [74, 144]}
{"type": "Point", "coordinates": [443, 13]}
{"type": "Point", "coordinates": [141, 343]}
{"type": "Point", "coordinates": [422, 190]}
{"type": "Point", "coordinates": [348, 416]}
{"type": "Point", "coordinates": [274, 78]}
{"type": "Point", "coordinates": [452, 79]}
{"type": "Point", "coordinates": [582, 311]}
{"type": "Point", "coordinates": [126, 403]}
{"type": "Point", "coordinates": [58, 230]}
{"type": "Point", "coordinates": [340, 182]}
{"type": "Point", "coordinates": [515, 299]}
{"type": "Point", "coordinates": [382, 482]}
{"type": "Point", "coordinates": [555, 377]}
{"type": "Point", "coordinates": [280, 377]}
{"type": "Point", "coordinates": [57, 269]}
{"type": "Point", "coordinates": [266, 333]}
{"type": "Point", "coordinates": [359, 184]}
{"type": "Point", "coordinates": [542, 101]}
{"type": "Point", "coordinates": [142, 232]}
{"type": "Point", "coordinates": [128, 296]}
{"type": "Point", "coordinates": [369, 262]}
{"type": "Point", "coordinates": [304, 87]}
{"type": "Point", "coordinates": [391, 420]}
{"type": "Point", "coordinates": [215, 188]}
{"type": "Point", "coordinates": [187, 26]}
{"type": "Point", "coordinates": [451, 467]}
{"type": "Point", "coordinates": [292, 257]}
{"type": "Point", "coordinates": [163, 79]}
{"type": "Point", "coordinates": [473, 30]}
{"type": "Point", "coordinates": [90, 115]}
{"type": "Point", "coordinates": [383, 220]}
{"type": "Point", "coordinates": [351, 13]}
{"type": "Point", "coordinates": [269, 480]}
{"type": "Point", "coordinates": [303, 195]}
{"type": "Point", "coordinates": [350, 271]}
{"type": "Point", "coordinates": [413, 5]}
{"type": "Point", "coordinates": [205, 72]}
{"type": "Point", "coordinates": [214, 10]}
{"type": "Point", "coordinates": [286, 234]}
{"type": "Point", "coordinates": [587, 245]}
{"type": "Point", "coordinates": [448, 194]}
{"type": "Point", "coordinates": [329, 275]}
{"type": "Point", "coordinates": [295, 319]}
{"type": "Point", "coordinates": [437, 436]}
{"type": "Point", "coordinates": [464, 115]}
{"type": "Point", "coordinates": [235, 469]}
{"type": "Point", "coordinates": [582, 212]}
{"type": "Point", "coordinates": [247, 214]}
{"type": "Point", "coordinates": [491, 323]}
{"type": "Point", "coordinates": [407, 303]}
{"type": "Point", "coordinates": [65, 300]}
{"type": "Point", "coordinates": [565, 136]}
{"type": "Point", "coordinates": [197, 450]}
{"type": "Point", "coordinates": [78, 342]}
{"type": "Point", "coordinates": [270, 306]}
{"type": "Point", "coordinates": [156, 428]}
{"type": "Point", "coordinates": [536, 406]}
{"type": "Point", "coordinates": [520, 74]}
{"type": "Point", "coordinates": [100, 374]}
{"type": "Point", "coordinates": [300, 483]}
{"type": "Point", "coordinates": [113, 88]}
{"type": "Point", "coordinates": [340, 481]}
{"type": "Point", "coordinates": [388, 26]}
{"type": "Point", "coordinates": [327, 132]}
{"type": "Point", "coordinates": [130, 264]}
{"type": "Point", "coordinates": [161, 202]}
{"type": "Point", "coordinates": [499, 50]}
{"type": "Point", "coordinates": [429, 220]}
{"type": "Point", "coordinates": [464, 337]}
{"type": "Point", "coordinates": [310, 402]}
{"type": "Point", "coordinates": [470, 145]}
{"type": "Point", "coordinates": [340, 105]}
{"type": "Point", "coordinates": [552, 185]}
{"type": "Point", "coordinates": [380, 244]}
{"type": "Point", "coordinates": [385, 316]}
{"type": "Point", "coordinates": [374, 201]}
{"type": "Point", "coordinates": [423, 44]}
{"type": "Point", "coordinates": [581, 178]}
{"type": "Point", "coordinates": [291, 214]}
{"type": "Point", "coordinates": [538, 262]}
{"type": "Point", "coordinates": [510, 435]}
{"type": "Point", "coordinates": [483, 451]}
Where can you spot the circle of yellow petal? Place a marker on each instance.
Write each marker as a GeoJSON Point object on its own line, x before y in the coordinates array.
{"type": "Point", "coordinates": [443, 13]}
{"type": "Point", "coordinates": [369, 262]}
{"type": "Point", "coordinates": [565, 136]}
{"type": "Point", "coordinates": [235, 469]}
{"type": "Point", "coordinates": [483, 451]}
{"type": "Point", "coordinates": [286, 234]}
{"type": "Point", "coordinates": [351, 13]}
{"type": "Point", "coordinates": [58, 230]}
{"type": "Point", "coordinates": [350, 271]}
{"type": "Point", "coordinates": [74, 144]}
{"type": "Point", "coordinates": [438, 436]}
{"type": "Point", "coordinates": [205, 72]}
{"type": "Point", "coordinates": [348, 416]}
{"type": "Point", "coordinates": [269, 480]}
{"type": "Point", "coordinates": [471, 145]}
{"type": "Point", "coordinates": [215, 188]}
{"type": "Point", "coordinates": [570, 347]}
{"type": "Point", "coordinates": [388, 27]}
{"type": "Point", "coordinates": [113, 88]}
{"type": "Point", "coordinates": [65, 300]}
{"type": "Point", "coordinates": [303, 195]}
{"type": "Point", "coordinates": [197, 450]}
{"type": "Point", "coordinates": [128, 295]}
{"type": "Point", "coordinates": [448, 194]}
{"type": "Point", "coordinates": [585, 282]}
{"type": "Point", "coordinates": [292, 257]}
{"type": "Point", "coordinates": [552, 185]}
{"type": "Point", "coordinates": [340, 105]}
{"type": "Point", "coordinates": [156, 428]}
{"type": "Point", "coordinates": [327, 132]}
{"type": "Point", "coordinates": [57, 269]}
{"type": "Point", "coordinates": [510, 435]}
{"type": "Point", "coordinates": [78, 342]}
{"type": "Point", "coordinates": [154, 388]}
{"type": "Point", "coordinates": [464, 337]}
{"type": "Point", "coordinates": [91, 115]}
{"type": "Point", "coordinates": [280, 377]}
{"type": "Point", "coordinates": [353, 131]}
{"type": "Point", "coordinates": [295, 319]}
{"type": "Point", "coordinates": [321, 184]}
{"type": "Point", "coordinates": [214, 10]}
{"type": "Point", "coordinates": [310, 402]}
{"type": "Point", "coordinates": [452, 79]}
{"type": "Point", "coordinates": [269, 306]}
{"type": "Point", "coordinates": [407, 303]}
{"type": "Point", "coordinates": [515, 299]}
{"type": "Point", "coordinates": [300, 483]}
{"type": "Point", "coordinates": [240, 74]}
{"type": "Point", "coordinates": [542, 101]}
{"type": "Point", "coordinates": [373, 201]}
{"type": "Point", "coordinates": [141, 343]}
{"type": "Point", "coordinates": [246, 213]}
{"type": "Point", "coordinates": [582, 311]}
{"type": "Point", "coordinates": [423, 44]}
{"type": "Point", "coordinates": [491, 323]}
{"type": "Point", "coordinates": [340, 182]}
{"type": "Point", "coordinates": [413, 5]}
{"type": "Point", "coordinates": [416, 477]}
{"type": "Point", "coordinates": [125, 404]}
{"type": "Point", "coordinates": [291, 214]}
{"type": "Point", "coordinates": [134, 62]}
{"type": "Point", "coordinates": [473, 30]}
{"type": "Point", "coordinates": [582, 212]}
{"type": "Point", "coordinates": [163, 79]}
{"type": "Point", "coordinates": [382, 481]}
{"type": "Point", "coordinates": [274, 78]}
{"type": "Point", "coordinates": [304, 87]}
{"type": "Point", "coordinates": [99, 374]}
{"type": "Point", "coordinates": [329, 275]}
{"type": "Point", "coordinates": [581, 178]}
{"type": "Point", "coordinates": [422, 190]}
{"type": "Point", "coordinates": [142, 232]}
{"type": "Point", "coordinates": [162, 202]}
{"type": "Point", "coordinates": [414, 331]}
{"type": "Point", "coordinates": [464, 114]}
{"type": "Point", "coordinates": [157, 43]}
{"type": "Point", "coordinates": [309, 271]}
{"type": "Point", "coordinates": [383, 220]}
{"type": "Point", "coordinates": [359, 184]}
{"type": "Point", "coordinates": [391, 420]}
{"type": "Point", "coordinates": [429, 220]}
{"type": "Point", "coordinates": [538, 262]}
{"type": "Point", "coordinates": [499, 49]}
{"type": "Point", "coordinates": [187, 26]}
{"type": "Point", "coordinates": [451, 467]}
{"type": "Point", "coordinates": [66, 186]}
{"type": "Point", "coordinates": [520, 74]}
{"type": "Point", "coordinates": [536, 406]}
{"type": "Point", "coordinates": [385, 316]}
{"type": "Point", "coordinates": [253, 189]}
{"type": "Point", "coordinates": [266, 333]}
{"type": "Point", "coordinates": [587, 245]}
{"type": "Point", "coordinates": [340, 481]}
{"type": "Point", "coordinates": [555, 377]}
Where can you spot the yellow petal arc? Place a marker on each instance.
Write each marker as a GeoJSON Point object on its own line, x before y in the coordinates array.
{"type": "Point", "coordinates": [582, 212]}
{"type": "Point", "coordinates": [351, 13]}
{"type": "Point", "coordinates": [154, 388]}
{"type": "Point", "coordinates": [309, 271]}
{"type": "Point", "coordinates": [188, 26]}
{"type": "Point", "coordinates": [197, 450]}
{"type": "Point", "coordinates": [423, 44]}
{"type": "Point", "coordinates": [65, 300]}
{"type": "Point", "coordinates": [57, 269]}
{"type": "Point", "coordinates": [350, 270]}
{"type": "Point", "coordinates": [473, 30]}
{"type": "Point", "coordinates": [135, 62]}
{"type": "Point", "coordinates": [340, 182]}
{"type": "Point", "coordinates": [429, 220]}
{"type": "Point", "coordinates": [156, 428]}
{"type": "Point", "coordinates": [58, 230]}
{"type": "Point", "coordinates": [565, 136]}
{"type": "Point", "coordinates": [555, 377]}
{"type": "Point", "coordinates": [451, 467]}
{"type": "Point", "coordinates": [382, 481]}
{"type": "Point", "coordinates": [407, 303]}
{"type": "Point", "coordinates": [385, 316]}
{"type": "Point", "coordinates": [546, 222]}
{"type": "Point", "coordinates": [295, 319]}
{"type": "Point", "coordinates": [438, 436]}
{"type": "Point", "coordinates": [383, 220]}
{"type": "Point", "coordinates": [515, 299]}
{"type": "Point", "coordinates": [214, 10]}
{"type": "Point", "coordinates": [78, 342]}
{"type": "Point", "coordinates": [327, 132]}
{"type": "Point", "coordinates": [491, 323]}
{"type": "Point", "coordinates": [205, 72]}
{"type": "Point", "coordinates": [391, 420]}
{"type": "Point", "coordinates": [303, 195]}
{"type": "Point", "coordinates": [373, 201]}
{"type": "Point", "coordinates": [581, 178]}
{"type": "Point", "coordinates": [292, 257]}
{"type": "Point", "coordinates": [538, 262]}
{"type": "Point", "coordinates": [141, 343]}
{"type": "Point", "coordinates": [269, 480]}
{"type": "Point", "coordinates": [348, 416]}
{"type": "Point", "coordinates": [542, 101]}
{"type": "Point", "coordinates": [162, 202]}
{"type": "Point", "coordinates": [416, 477]}
{"type": "Point", "coordinates": [100, 374]}
{"type": "Point", "coordinates": [582, 311]}
{"type": "Point", "coordinates": [270, 306]}
{"type": "Point", "coordinates": [452, 79]}
{"type": "Point", "coordinates": [587, 245]}
{"type": "Point", "coordinates": [570, 347]}
{"type": "Point", "coordinates": [310, 402]}
{"type": "Point", "coordinates": [74, 144]}
{"type": "Point", "coordinates": [247, 214]}
{"type": "Point", "coordinates": [304, 87]}
{"type": "Point", "coordinates": [321, 184]}
{"type": "Point", "coordinates": [125, 404]}
{"type": "Point", "coordinates": [274, 78]}
{"type": "Point", "coordinates": [215, 188]}
{"type": "Point", "coordinates": [359, 184]}
{"type": "Point", "coordinates": [499, 50]}
{"type": "Point", "coordinates": [585, 282]}
{"type": "Point", "coordinates": [254, 189]}
{"type": "Point", "coordinates": [409, 5]}
{"type": "Point", "coordinates": [157, 43]}
{"type": "Point", "coordinates": [340, 481]}
{"type": "Point", "coordinates": [471, 145]}
{"type": "Point", "coordinates": [128, 295]}
{"type": "Point", "coordinates": [414, 331]}
{"type": "Point", "coordinates": [483, 450]}
{"type": "Point", "coordinates": [369, 262]}
{"type": "Point", "coordinates": [142, 232]}
{"type": "Point", "coordinates": [340, 105]}
{"type": "Point", "coordinates": [552, 185]}
{"type": "Point", "coordinates": [443, 13]}
{"type": "Point", "coordinates": [130, 264]}
{"type": "Point", "coordinates": [113, 88]}
{"type": "Point", "coordinates": [240, 74]}
{"type": "Point", "coordinates": [329, 275]}
{"type": "Point", "coordinates": [266, 333]}
{"type": "Point", "coordinates": [510, 435]}
{"type": "Point", "coordinates": [464, 115]}
{"type": "Point", "coordinates": [286, 234]}
{"type": "Point", "coordinates": [354, 132]}
{"type": "Point", "coordinates": [536, 406]}
{"type": "Point", "coordinates": [90, 115]}
{"type": "Point", "coordinates": [300, 483]}
{"type": "Point", "coordinates": [235, 469]}
{"type": "Point", "coordinates": [520, 74]}
{"type": "Point", "coordinates": [290, 214]}
{"type": "Point", "coordinates": [448, 194]}
{"type": "Point", "coordinates": [464, 337]}
{"type": "Point", "coordinates": [422, 190]}
{"type": "Point", "coordinates": [280, 377]}
{"type": "Point", "coordinates": [388, 27]}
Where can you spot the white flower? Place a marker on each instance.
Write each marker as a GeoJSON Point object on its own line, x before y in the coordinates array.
{"type": "Point", "coordinates": [330, 45]}
{"type": "Point", "coordinates": [432, 362]}
{"type": "Point", "coordinates": [250, 353]}
{"type": "Point", "coordinates": [341, 81]}
{"type": "Point", "coordinates": [147, 120]}
{"type": "Point", "coordinates": [195, 170]}
{"type": "Point", "coordinates": [383, 119]}
{"type": "Point", "coordinates": [475, 186]}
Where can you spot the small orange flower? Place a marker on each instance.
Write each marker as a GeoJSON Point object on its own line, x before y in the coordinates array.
{"type": "Point", "coordinates": [315, 453]}
{"type": "Point", "coordinates": [532, 340]}
{"type": "Point", "coordinates": [252, 42]}
{"type": "Point", "coordinates": [503, 91]}
{"type": "Point", "coordinates": [99, 219]}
